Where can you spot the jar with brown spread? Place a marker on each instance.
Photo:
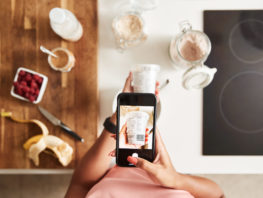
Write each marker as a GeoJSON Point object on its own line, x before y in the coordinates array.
{"type": "Point", "coordinates": [64, 61]}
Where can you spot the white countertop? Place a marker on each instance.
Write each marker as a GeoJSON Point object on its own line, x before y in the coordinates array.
{"type": "Point", "coordinates": [181, 117]}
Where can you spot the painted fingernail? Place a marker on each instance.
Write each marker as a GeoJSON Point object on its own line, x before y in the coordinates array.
{"type": "Point", "coordinates": [132, 160]}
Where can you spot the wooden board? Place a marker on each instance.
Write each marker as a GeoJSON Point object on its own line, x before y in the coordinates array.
{"type": "Point", "coordinates": [72, 97]}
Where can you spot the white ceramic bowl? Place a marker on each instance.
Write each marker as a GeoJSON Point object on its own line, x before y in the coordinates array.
{"type": "Point", "coordinates": [41, 91]}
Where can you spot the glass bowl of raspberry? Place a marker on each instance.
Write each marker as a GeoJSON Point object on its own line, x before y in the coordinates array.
{"type": "Point", "coordinates": [29, 85]}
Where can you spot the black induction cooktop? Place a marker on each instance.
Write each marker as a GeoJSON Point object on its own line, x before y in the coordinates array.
{"type": "Point", "coordinates": [233, 103]}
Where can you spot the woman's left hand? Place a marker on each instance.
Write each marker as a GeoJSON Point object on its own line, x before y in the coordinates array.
{"type": "Point", "coordinates": [123, 139]}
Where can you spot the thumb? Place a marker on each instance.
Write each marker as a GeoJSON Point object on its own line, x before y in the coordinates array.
{"type": "Point", "coordinates": [143, 164]}
{"type": "Point", "coordinates": [128, 82]}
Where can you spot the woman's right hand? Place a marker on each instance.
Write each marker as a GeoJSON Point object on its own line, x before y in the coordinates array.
{"type": "Point", "coordinates": [161, 170]}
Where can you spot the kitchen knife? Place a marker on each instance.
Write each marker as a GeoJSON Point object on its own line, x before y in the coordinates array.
{"type": "Point", "coordinates": [55, 121]}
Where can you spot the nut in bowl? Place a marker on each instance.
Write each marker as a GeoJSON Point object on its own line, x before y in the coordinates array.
{"type": "Point", "coordinates": [29, 85]}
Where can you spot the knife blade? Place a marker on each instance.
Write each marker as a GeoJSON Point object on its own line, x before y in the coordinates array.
{"type": "Point", "coordinates": [57, 122]}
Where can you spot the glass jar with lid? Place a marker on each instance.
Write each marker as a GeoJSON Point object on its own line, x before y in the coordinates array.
{"type": "Point", "coordinates": [129, 27]}
{"type": "Point", "coordinates": [189, 49]}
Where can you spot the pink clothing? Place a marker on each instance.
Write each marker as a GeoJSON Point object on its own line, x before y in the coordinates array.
{"type": "Point", "coordinates": [132, 183]}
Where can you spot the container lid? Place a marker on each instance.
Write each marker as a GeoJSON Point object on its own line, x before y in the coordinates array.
{"type": "Point", "coordinates": [145, 67]}
{"type": "Point", "coordinates": [198, 77]}
{"type": "Point", "coordinates": [57, 15]}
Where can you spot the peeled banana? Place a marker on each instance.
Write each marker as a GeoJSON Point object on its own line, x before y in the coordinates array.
{"type": "Point", "coordinates": [39, 143]}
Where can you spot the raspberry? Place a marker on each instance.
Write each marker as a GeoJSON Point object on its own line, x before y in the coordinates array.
{"type": "Point", "coordinates": [19, 91]}
{"type": "Point", "coordinates": [31, 98]}
{"type": "Point", "coordinates": [28, 77]}
{"type": "Point", "coordinates": [26, 89]}
{"type": "Point", "coordinates": [20, 78]}
{"type": "Point", "coordinates": [22, 73]}
{"type": "Point", "coordinates": [37, 92]}
{"type": "Point", "coordinates": [19, 86]}
{"type": "Point", "coordinates": [34, 84]}
{"type": "Point", "coordinates": [26, 95]}
{"type": "Point", "coordinates": [32, 91]}
{"type": "Point", "coordinates": [16, 84]}
{"type": "Point", "coordinates": [23, 83]}
{"type": "Point", "coordinates": [40, 80]}
{"type": "Point", "coordinates": [36, 77]}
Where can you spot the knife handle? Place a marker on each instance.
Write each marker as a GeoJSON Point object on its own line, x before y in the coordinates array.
{"type": "Point", "coordinates": [70, 132]}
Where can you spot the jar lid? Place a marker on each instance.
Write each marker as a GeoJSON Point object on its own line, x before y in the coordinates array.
{"type": "Point", "coordinates": [198, 77]}
{"type": "Point", "coordinates": [57, 15]}
{"type": "Point", "coordinates": [144, 5]}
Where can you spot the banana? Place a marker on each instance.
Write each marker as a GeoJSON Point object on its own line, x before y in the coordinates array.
{"type": "Point", "coordinates": [39, 143]}
{"type": "Point", "coordinates": [31, 141]}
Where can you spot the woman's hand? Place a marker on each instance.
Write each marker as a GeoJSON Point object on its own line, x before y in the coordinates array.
{"type": "Point", "coordinates": [123, 139]}
{"type": "Point", "coordinates": [129, 89]}
{"type": "Point", "coordinates": [161, 170]}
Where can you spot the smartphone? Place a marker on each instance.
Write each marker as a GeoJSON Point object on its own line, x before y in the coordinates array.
{"type": "Point", "coordinates": [136, 117]}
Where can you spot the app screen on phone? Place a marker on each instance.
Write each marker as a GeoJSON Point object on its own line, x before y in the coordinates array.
{"type": "Point", "coordinates": [136, 127]}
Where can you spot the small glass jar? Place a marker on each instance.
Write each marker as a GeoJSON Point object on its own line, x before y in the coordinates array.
{"type": "Point", "coordinates": [197, 40]}
{"type": "Point", "coordinates": [189, 50]}
{"type": "Point", "coordinates": [64, 62]}
{"type": "Point", "coordinates": [129, 27]}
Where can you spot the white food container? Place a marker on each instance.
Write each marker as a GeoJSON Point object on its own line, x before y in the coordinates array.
{"type": "Point", "coordinates": [41, 91]}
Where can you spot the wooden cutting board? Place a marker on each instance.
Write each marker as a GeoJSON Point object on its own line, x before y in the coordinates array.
{"type": "Point", "coordinates": [72, 97]}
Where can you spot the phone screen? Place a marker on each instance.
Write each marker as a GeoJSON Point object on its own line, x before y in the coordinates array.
{"type": "Point", "coordinates": [136, 132]}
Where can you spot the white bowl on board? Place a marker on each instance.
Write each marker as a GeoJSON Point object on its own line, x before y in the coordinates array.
{"type": "Point", "coordinates": [41, 91]}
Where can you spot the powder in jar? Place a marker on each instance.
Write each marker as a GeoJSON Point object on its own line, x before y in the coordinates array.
{"type": "Point", "coordinates": [62, 59]}
{"type": "Point", "coordinates": [129, 27]}
{"type": "Point", "coordinates": [193, 47]}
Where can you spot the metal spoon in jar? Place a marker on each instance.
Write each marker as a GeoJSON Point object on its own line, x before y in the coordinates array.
{"type": "Point", "coordinates": [164, 84]}
{"type": "Point", "coordinates": [45, 50]}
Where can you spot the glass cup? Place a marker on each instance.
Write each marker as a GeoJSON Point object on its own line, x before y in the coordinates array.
{"type": "Point", "coordinates": [64, 62]}
{"type": "Point", "coordinates": [144, 78]}
{"type": "Point", "coordinates": [136, 127]}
